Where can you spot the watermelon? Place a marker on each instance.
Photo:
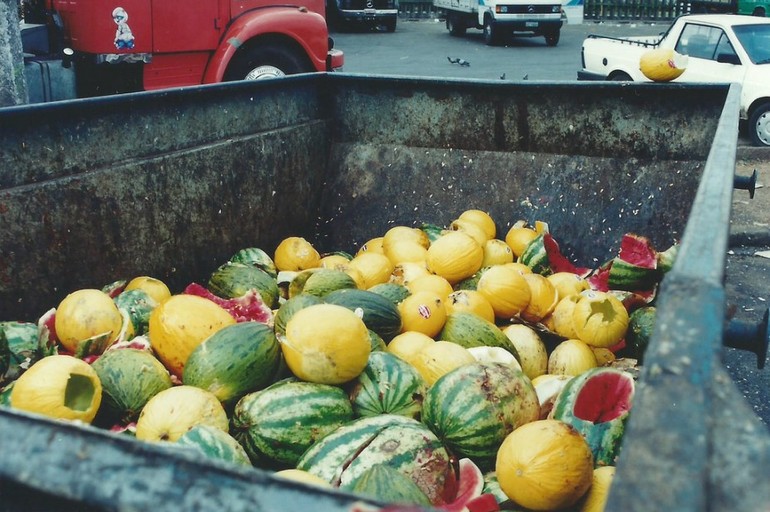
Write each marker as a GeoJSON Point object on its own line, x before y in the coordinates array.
{"type": "Point", "coordinates": [320, 282]}
{"type": "Point", "coordinates": [214, 443]}
{"type": "Point", "coordinates": [472, 282]}
{"type": "Point", "coordinates": [470, 494]}
{"type": "Point", "coordinates": [5, 395]}
{"type": "Point", "coordinates": [378, 344]}
{"type": "Point", "coordinates": [641, 325]}
{"type": "Point", "coordinates": [291, 306]}
{"type": "Point", "coordinates": [474, 407]}
{"type": "Point", "coordinates": [667, 258]}
{"type": "Point", "coordinates": [432, 230]}
{"type": "Point", "coordinates": [233, 280]}
{"type": "Point", "coordinates": [129, 377]}
{"type": "Point", "coordinates": [401, 443]}
{"type": "Point", "coordinates": [256, 257]}
{"type": "Point", "coordinates": [393, 291]}
{"type": "Point", "coordinates": [387, 385]}
{"type": "Point", "coordinates": [597, 403]}
{"type": "Point", "coordinates": [470, 330]}
{"type": "Point", "coordinates": [235, 360]}
{"type": "Point", "coordinates": [635, 267]}
{"type": "Point", "coordinates": [138, 305]}
{"type": "Point", "coordinates": [24, 345]}
{"type": "Point", "coordinates": [246, 308]}
{"type": "Point", "coordinates": [378, 312]}
{"type": "Point", "coordinates": [544, 256]}
{"type": "Point", "coordinates": [278, 424]}
{"type": "Point", "coordinates": [5, 354]}
{"type": "Point", "coordinates": [388, 485]}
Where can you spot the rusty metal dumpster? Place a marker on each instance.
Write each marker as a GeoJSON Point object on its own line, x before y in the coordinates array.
{"type": "Point", "coordinates": [172, 183]}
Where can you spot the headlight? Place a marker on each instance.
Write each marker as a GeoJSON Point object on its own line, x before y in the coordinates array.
{"type": "Point", "coordinates": [556, 8]}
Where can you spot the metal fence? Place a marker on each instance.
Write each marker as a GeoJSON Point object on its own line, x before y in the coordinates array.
{"type": "Point", "coordinates": [593, 9]}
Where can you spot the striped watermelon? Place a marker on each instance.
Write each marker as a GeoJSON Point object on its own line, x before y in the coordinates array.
{"type": "Point", "coordinates": [235, 360]}
{"type": "Point", "coordinates": [388, 385]}
{"type": "Point", "coordinates": [393, 291]}
{"type": "Point", "coordinates": [291, 306]}
{"type": "Point", "coordinates": [544, 256]}
{"type": "Point", "coordinates": [258, 258]}
{"type": "Point", "coordinates": [389, 485]}
{"type": "Point", "coordinates": [597, 403]}
{"type": "Point", "coordinates": [214, 443]}
{"type": "Point", "coordinates": [138, 305]}
{"type": "Point", "coordinates": [233, 280]}
{"type": "Point", "coordinates": [277, 424]}
{"type": "Point", "coordinates": [474, 407]}
{"type": "Point", "coordinates": [401, 443]}
{"type": "Point", "coordinates": [320, 282]}
{"type": "Point", "coordinates": [24, 345]}
{"type": "Point", "coordinates": [470, 330]}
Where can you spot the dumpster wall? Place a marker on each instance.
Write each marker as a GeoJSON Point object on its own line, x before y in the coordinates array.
{"type": "Point", "coordinates": [171, 184]}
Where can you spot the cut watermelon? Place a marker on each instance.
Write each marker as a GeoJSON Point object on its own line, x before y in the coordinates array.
{"type": "Point", "coordinates": [470, 486]}
{"type": "Point", "coordinates": [248, 307]}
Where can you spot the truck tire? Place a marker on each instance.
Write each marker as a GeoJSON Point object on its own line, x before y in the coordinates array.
{"type": "Point", "coordinates": [261, 61]}
{"type": "Point", "coordinates": [552, 37]}
{"type": "Point", "coordinates": [455, 25]}
{"type": "Point", "coordinates": [491, 32]}
{"type": "Point", "coordinates": [759, 125]}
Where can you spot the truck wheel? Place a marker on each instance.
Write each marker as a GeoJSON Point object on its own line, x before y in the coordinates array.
{"type": "Point", "coordinates": [258, 62]}
{"type": "Point", "coordinates": [491, 32]}
{"type": "Point", "coordinates": [454, 25]}
{"type": "Point", "coordinates": [552, 37]}
{"type": "Point", "coordinates": [759, 125]}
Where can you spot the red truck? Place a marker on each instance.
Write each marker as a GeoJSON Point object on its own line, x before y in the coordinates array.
{"type": "Point", "coordinates": [128, 45]}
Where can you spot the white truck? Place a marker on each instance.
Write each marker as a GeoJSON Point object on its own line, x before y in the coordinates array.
{"type": "Point", "coordinates": [720, 48]}
{"type": "Point", "coordinates": [500, 18]}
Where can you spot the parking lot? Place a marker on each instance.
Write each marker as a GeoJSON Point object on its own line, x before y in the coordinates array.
{"type": "Point", "coordinates": [423, 48]}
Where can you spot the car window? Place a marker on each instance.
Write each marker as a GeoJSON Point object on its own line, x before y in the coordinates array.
{"type": "Point", "coordinates": [755, 39]}
{"type": "Point", "coordinates": [701, 41]}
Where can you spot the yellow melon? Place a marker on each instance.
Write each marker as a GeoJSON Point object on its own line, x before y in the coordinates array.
{"type": "Point", "coordinates": [423, 312]}
{"type": "Point", "coordinates": [662, 64]}
{"type": "Point", "coordinates": [506, 290]}
{"type": "Point", "coordinates": [295, 253]}
{"type": "Point", "coordinates": [455, 256]}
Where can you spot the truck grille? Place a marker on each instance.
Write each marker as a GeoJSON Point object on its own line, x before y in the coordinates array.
{"type": "Point", "coordinates": [360, 5]}
{"type": "Point", "coordinates": [530, 9]}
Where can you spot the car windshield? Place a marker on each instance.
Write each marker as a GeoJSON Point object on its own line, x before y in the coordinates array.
{"type": "Point", "coordinates": [755, 39]}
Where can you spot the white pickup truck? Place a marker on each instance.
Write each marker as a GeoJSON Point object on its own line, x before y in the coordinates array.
{"type": "Point", "coordinates": [720, 48]}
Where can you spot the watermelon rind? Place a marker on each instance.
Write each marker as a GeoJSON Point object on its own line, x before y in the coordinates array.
{"type": "Point", "coordinates": [235, 360]}
{"type": "Point", "coordinates": [388, 485]}
{"type": "Point", "coordinates": [23, 342]}
{"type": "Point", "coordinates": [320, 282]}
{"type": "Point", "coordinates": [214, 443]}
{"type": "Point", "coordinates": [256, 257]}
{"type": "Point", "coordinates": [393, 291]}
{"type": "Point", "coordinates": [138, 305]}
{"type": "Point", "coordinates": [402, 443]}
{"type": "Point", "coordinates": [609, 396]}
{"type": "Point", "coordinates": [278, 424]}
{"type": "Point", "coordinates": [388, 385]}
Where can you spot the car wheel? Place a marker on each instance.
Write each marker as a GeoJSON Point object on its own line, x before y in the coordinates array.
{"type": "Point", "coordinates": [620, 76]}
{"type": "Point", "coordinates": [455, 26]}
{"type": "Point", "coordinates": [491, 32]}
{"type": "Point", "coordinates": [259, 62]}
{"type": "Point", "coordinates": [759, 125]}
{"type": "Point", "coordinates": [552, 37]}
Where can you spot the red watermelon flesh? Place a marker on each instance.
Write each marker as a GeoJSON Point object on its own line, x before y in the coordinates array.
{"type": "Point", "coordinates": [603, 398]}
{"type": "Point", "coordinates": [248, 307]}
{"type": "Point", "coordinates": [557, 261]}
{"type": "Point", "coordinates": [638, 250]}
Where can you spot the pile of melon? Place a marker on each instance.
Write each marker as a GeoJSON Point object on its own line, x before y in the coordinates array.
{"type": "Point", "coordinates": [436, 366]}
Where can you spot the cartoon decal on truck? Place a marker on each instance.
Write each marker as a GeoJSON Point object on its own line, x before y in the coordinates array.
{"type": "Point", "coordinates": [124, 38]}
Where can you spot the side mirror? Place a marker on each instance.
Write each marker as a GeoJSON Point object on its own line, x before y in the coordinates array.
{"type": "Point", "coordinates": [728, 58]}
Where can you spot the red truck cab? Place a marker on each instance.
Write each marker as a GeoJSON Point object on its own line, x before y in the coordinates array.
{"type": "Point", "coordinates": [153, 44]}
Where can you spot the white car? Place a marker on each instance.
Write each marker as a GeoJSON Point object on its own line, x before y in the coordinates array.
{"type": "Point", "coordinates": [720, 48]}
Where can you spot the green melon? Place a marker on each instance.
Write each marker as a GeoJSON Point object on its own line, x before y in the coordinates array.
{"type": "Point", "coordinates": [388, 385]}
{"type": "Point", "coordinates": [214, 443]}
{"type": "Point", "coordinates": [256, 257]}
{"type": "Point", "coordinates": [597, 403]}
{"type": "Point", "coordinates": [388, 485]}
{"type": "Point", "coordinates": [378, 344]}
{"type": "Point", "coordinates": [378, 313]}
{"type": "Point", "coordinates": [393, 291]}
{"type": "Point", "coordinates": [129, 377]}
{"type": "Point", "coordinates": [291, 306]}
{"type": "Point", "coordinates": [401, 443]}
{"type": "Point", "coordinates": [235, 360]}
{"type": "Point", "coordinates": [279, 423]}
{"type": "Point", "coordinates": [472, 282]}
{"type": "Point", "coordinates": [138, 305]}
{"type": "Point", "coordinates": [233, 280]}
{"type": "Point", "coordinates": [474, 407]}
{"type": "Point", "coordinates": [470, 330]}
